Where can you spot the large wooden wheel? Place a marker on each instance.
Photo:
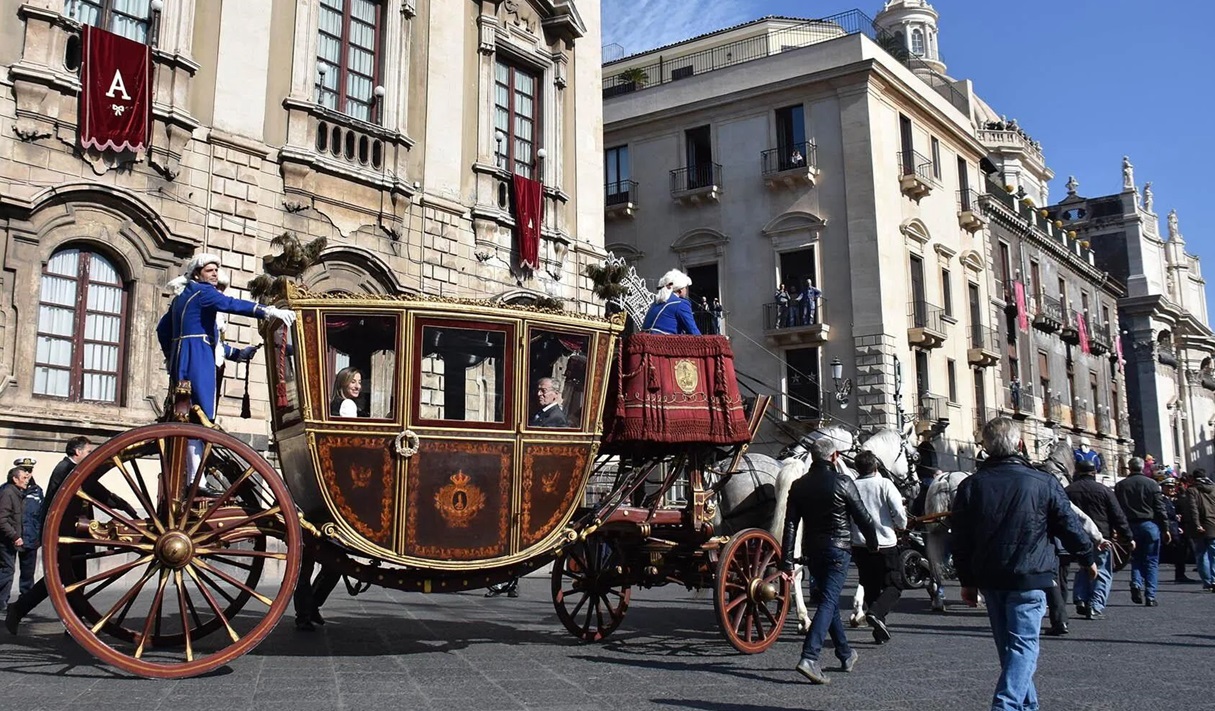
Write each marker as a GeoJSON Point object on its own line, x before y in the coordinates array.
{"type": "Point", "coordinates": [750, 595]}
{"type": "Point", "coordinates": [590, 590]}
{"type": "Point", "coordinates": [144, 592]}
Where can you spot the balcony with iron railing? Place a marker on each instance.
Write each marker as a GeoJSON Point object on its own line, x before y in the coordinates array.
{"type": "Point", "coordinates": [790, 166]}
{"type": "Point", "coordinates": [1124, 428]}
{"type": "Point", "coordinates": [927, 329]}
{"type": "Point", "coordinates": [696, 183]}
{"type": "Point", "coordinates": [984, 348]}
{"type": "Point", "coordinates": [620, 198]}
{"type": "Point", "coordinates": [797, 323]}
{"type": "Point", "coordinates": [1104, 422]}
{"type": "Point", "coordinates": [1022, 401]}
{"type": "Point", "coordinates": [970, 211]}
{"type": "Point", "coordinates": [1080, 416]}
{"type": "Point", "coordinates": [1007, 289]}
{"type": "Point", "coordinates": [1052, 408]}
{"type": "Point", "coordinates": [1049, 315]}
{"type": "Point", "coordinates": [917, 175]}
{"type": "Point", "coordinates": [1099, 340]}
{"type": "Point", "coordinates": [983, 415]}
{"type": "Point", "coordinates": [1070, 333]}
{"type": "Point", "coordinates": [931, 413]}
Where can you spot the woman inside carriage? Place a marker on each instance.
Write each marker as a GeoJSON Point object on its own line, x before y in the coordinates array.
{"type": "Point", "coordinates": [671, 312]}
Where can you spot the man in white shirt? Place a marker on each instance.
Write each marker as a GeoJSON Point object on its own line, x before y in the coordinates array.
{"type": "Point", "coordinates": [878, 569]}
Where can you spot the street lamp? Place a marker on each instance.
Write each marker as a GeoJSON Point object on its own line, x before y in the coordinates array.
{"type": "Point", "coordinates": [842, 387]}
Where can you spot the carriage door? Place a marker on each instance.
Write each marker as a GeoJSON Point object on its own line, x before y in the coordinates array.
{"type": "Point", "coordinates": [459, 441]}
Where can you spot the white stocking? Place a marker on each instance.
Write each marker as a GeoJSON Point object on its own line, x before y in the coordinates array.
{"type": "Point", "coordinates": [194, 450]}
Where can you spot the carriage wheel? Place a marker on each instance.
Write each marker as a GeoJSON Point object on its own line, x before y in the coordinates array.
{"type": "Point", "coordinates": [750, 595]}
{"type": "Point", "coordinates": [142, 592]}
{"type": "Point", "coordinates": [589, 589]}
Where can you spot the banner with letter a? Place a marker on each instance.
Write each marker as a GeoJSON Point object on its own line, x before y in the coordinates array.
{"type": "Point", "coordinates": [115, 93]}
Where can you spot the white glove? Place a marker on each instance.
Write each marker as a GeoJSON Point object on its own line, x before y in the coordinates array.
{"type": "Point", "coordinates": [287, 316]}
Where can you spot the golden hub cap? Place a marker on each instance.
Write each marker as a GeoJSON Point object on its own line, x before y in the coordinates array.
{"type": "Point", "coordinates": [174, 550]}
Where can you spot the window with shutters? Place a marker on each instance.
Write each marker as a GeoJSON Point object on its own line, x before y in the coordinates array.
{"type": "Point", "coordinates": [81, 328]}
{"type": "Point", "coordinates": [129, 18]}
{"type": "Point", "coordinates": [347, 57]}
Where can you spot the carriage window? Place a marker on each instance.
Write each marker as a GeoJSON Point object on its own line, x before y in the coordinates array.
{"type": "Point", "coordinates": [463, 374]}
{"type": "Point", "coordinates": [361, 361]}
{"type": "Point", "coordinates": [557, 378]}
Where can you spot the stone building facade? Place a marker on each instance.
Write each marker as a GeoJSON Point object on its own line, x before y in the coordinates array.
{"type": "Point", "coordinates": [390, 127]}
{"type": "Point", "coordinates": [1165, 329]}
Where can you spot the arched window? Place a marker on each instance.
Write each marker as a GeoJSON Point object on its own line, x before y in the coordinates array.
{"type": "Point", "coordinates": [917, 43]}
{"type": "Point", "coordinates": [81, 328]}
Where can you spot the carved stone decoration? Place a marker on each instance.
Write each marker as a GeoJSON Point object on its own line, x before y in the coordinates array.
{"type": "Point", "coordinates": [169, 141]}
{"type": "Point", "coordinates": [1128, 174]}
{"type": "Point", "coordinates": [488, 28]}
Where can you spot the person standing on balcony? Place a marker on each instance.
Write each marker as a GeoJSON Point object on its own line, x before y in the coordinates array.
{"type": "Point", "coordinates": [1014, 390]}
{"type": "Point", "coordinates": [809, 302]}
{"type": "Point", "coordinates": [719, 314]}
{"type": "Point", "coordinates": [671, 312]}
{"type": "Point", "coordinates": [782, 306]}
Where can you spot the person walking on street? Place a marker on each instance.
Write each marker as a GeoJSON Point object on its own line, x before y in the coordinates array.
{"type": "Point", "coordinates": [77, 449]}
{"type": "Point", "coordinates": [12, 545]}
{"type": "Point", "coordinates": [825, 503]}
{"type": "Point", "coordinates": [1098, 501]}
{"type": "Point", "coordinates": [1178, 549]}
{"type": "Point", "coordinates": [31, 533]}
{"type": "Point", "coordinates": [1143, 503]}
{"type": "Point", "coordinates": [1004, 517]}
{"type": "Point", "coordinates": [878, 569]}
{"type": "Point", "coordinates": [1198, 519]}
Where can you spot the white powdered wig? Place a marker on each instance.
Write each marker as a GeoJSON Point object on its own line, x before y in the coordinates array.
{"type": "Point", "coordinates": [671, 282]}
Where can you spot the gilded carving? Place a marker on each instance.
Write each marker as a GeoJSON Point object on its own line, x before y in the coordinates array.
{"type": "Point", "coordinates": [546, 468]}
{"type": "Point", "coordinates": [686, 376]}
{"type": "Point", "coordinates": [361, 476]}
{"type": "Point", "coordinates": [460, 501]}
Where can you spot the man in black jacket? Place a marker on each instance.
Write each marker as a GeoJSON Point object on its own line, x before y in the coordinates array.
{"type": "Point", "coordinates": [1143, 503]}
{"type": "Point", "coordinates": [1004, 518]}
{"type": "Point", "coordinates": [77, 449]}
{"type": "Point", "coordinates": [1098, 501]}
{"type": "Point", "coordinates": [825, 503]}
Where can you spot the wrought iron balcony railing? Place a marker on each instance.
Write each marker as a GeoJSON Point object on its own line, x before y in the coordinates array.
{"type": "Point", "coordinates": [621, 192]}
{"type": "Point", "coordinates": [695, 177]}
{"type": "Point", "coordinates": [799, 156]}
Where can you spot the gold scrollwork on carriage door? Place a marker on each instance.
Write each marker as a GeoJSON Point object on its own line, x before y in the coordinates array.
{"type": "Point", "coordinates": [686, 376]}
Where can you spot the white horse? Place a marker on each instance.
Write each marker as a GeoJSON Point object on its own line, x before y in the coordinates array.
{"type": "Point", "coordinates": [938, 501]}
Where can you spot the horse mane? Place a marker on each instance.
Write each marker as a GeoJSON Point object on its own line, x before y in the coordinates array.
{"type": "Point", "coordinates": [1061, 461]}
{"type": "Point", "coordinates": [885, 444]}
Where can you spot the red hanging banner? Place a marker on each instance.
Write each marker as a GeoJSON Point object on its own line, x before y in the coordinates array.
{"type": "Point", "coordinates": [529, 214]}
{"type": "Point", "coordinates": [1022, 315]}
{"type": "Point", "coordinates": [115, 93]}
{"type": "Point", "coordinates": [1082, 329]}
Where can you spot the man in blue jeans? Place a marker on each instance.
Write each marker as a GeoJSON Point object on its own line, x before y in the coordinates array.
{"type": "Point", "coordinates": [1003, 520]}
{"type": "Point", "coordinates": [1143, 503]}
{"type": "Point", "coordinates": [825, 503]}
{"type": "Point", "coordinates": [1098, 501]}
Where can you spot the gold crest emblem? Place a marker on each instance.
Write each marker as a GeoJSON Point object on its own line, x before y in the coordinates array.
{"type": "Point", "coordinates": [459, 501]}
{"type": "Point", "coordinates": [548, 482]}
{"type": "Point", "coordinates": [686, 376]}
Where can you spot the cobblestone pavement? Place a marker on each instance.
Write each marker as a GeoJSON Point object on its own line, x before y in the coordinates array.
{"type": "Point", "coordinates": [386, 649]}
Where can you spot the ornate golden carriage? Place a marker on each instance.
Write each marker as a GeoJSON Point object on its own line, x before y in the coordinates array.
{"type": "Point", "coordinates": [438, 474]}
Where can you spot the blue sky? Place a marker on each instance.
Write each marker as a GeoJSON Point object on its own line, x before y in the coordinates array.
{"type": "Point", "coordinates": [1092, 80]}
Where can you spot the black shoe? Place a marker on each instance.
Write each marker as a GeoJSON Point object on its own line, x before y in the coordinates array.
{"type": "Point", "coordinates": [1095, 615]}
{"type": "Point", "coordinates": [811, 671]}
{"type": "Point", "coordinates": [12, 618]}
{"type": "Point", "coordinates": [316, 619]}
{"type": "Point", "coordinates": [1082, 609]}
{"type": "Point", "coordinates": [881, 635]}
{"type": "Point", "coordinates": [1137, 596]}
{"type": "Point", "coordinates": [304, 624]}
{"type": "Point", "coordinates": [850, 663]}
{"type": "Point", "coordinates": [512, 593]}
{"type": "Point", "coordinates": [1150, 602]}
{"type": "Point", "coordinates": [206, 492]}
{"type": "Point", "coordinates": [1056, 631]}
{"type": "Point", "coordinates": [1183, 578]}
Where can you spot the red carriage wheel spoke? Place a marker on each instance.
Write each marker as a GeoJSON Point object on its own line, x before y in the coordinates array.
{"type": "Point", "coordinates": [769, 615]}
{"type": "Point", "coordinates": [233, 582]}
{"type": "Point", "coordinates": [196, 478]}
{"type": "Point", "coordinates": [128, 545]}
{"type": "Point", "coordinates": [140, 492]}
{"type": "Point", "coordinates": [153, 614]}
{"type": "Point", "coordinates": [115, 515]}
{"type": "Point", "coordinates": [750, 596]}
{"type": "Point", "coordinates": [181, 605]}
{"type": "Point", "coordinates": [115, 572]}
{"type": "Point", "coordinates": [275, 511]}
{"type": "Point", "coordinates": [228, 597]}
{"type": "Point", "coordinates": [219, 614]}
{"type": "Point", "coordinates": [737, 615]}
{"type": "Point", "coordinates": [759, 623]}
{"type": "Point", "coordinates": [127, 598]}
{"type": "Point", "coordinates": [223, 499]}
{"type": "Point", "coordinates": [143, 493]}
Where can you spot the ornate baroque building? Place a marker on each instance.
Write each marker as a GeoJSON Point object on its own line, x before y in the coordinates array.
{"type": "Point", "coordinates": [1166, 334]}
{"type": "Point", "coordinates": [390, 127]}
{"type": "Point", "coordinates": [838, 151]}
